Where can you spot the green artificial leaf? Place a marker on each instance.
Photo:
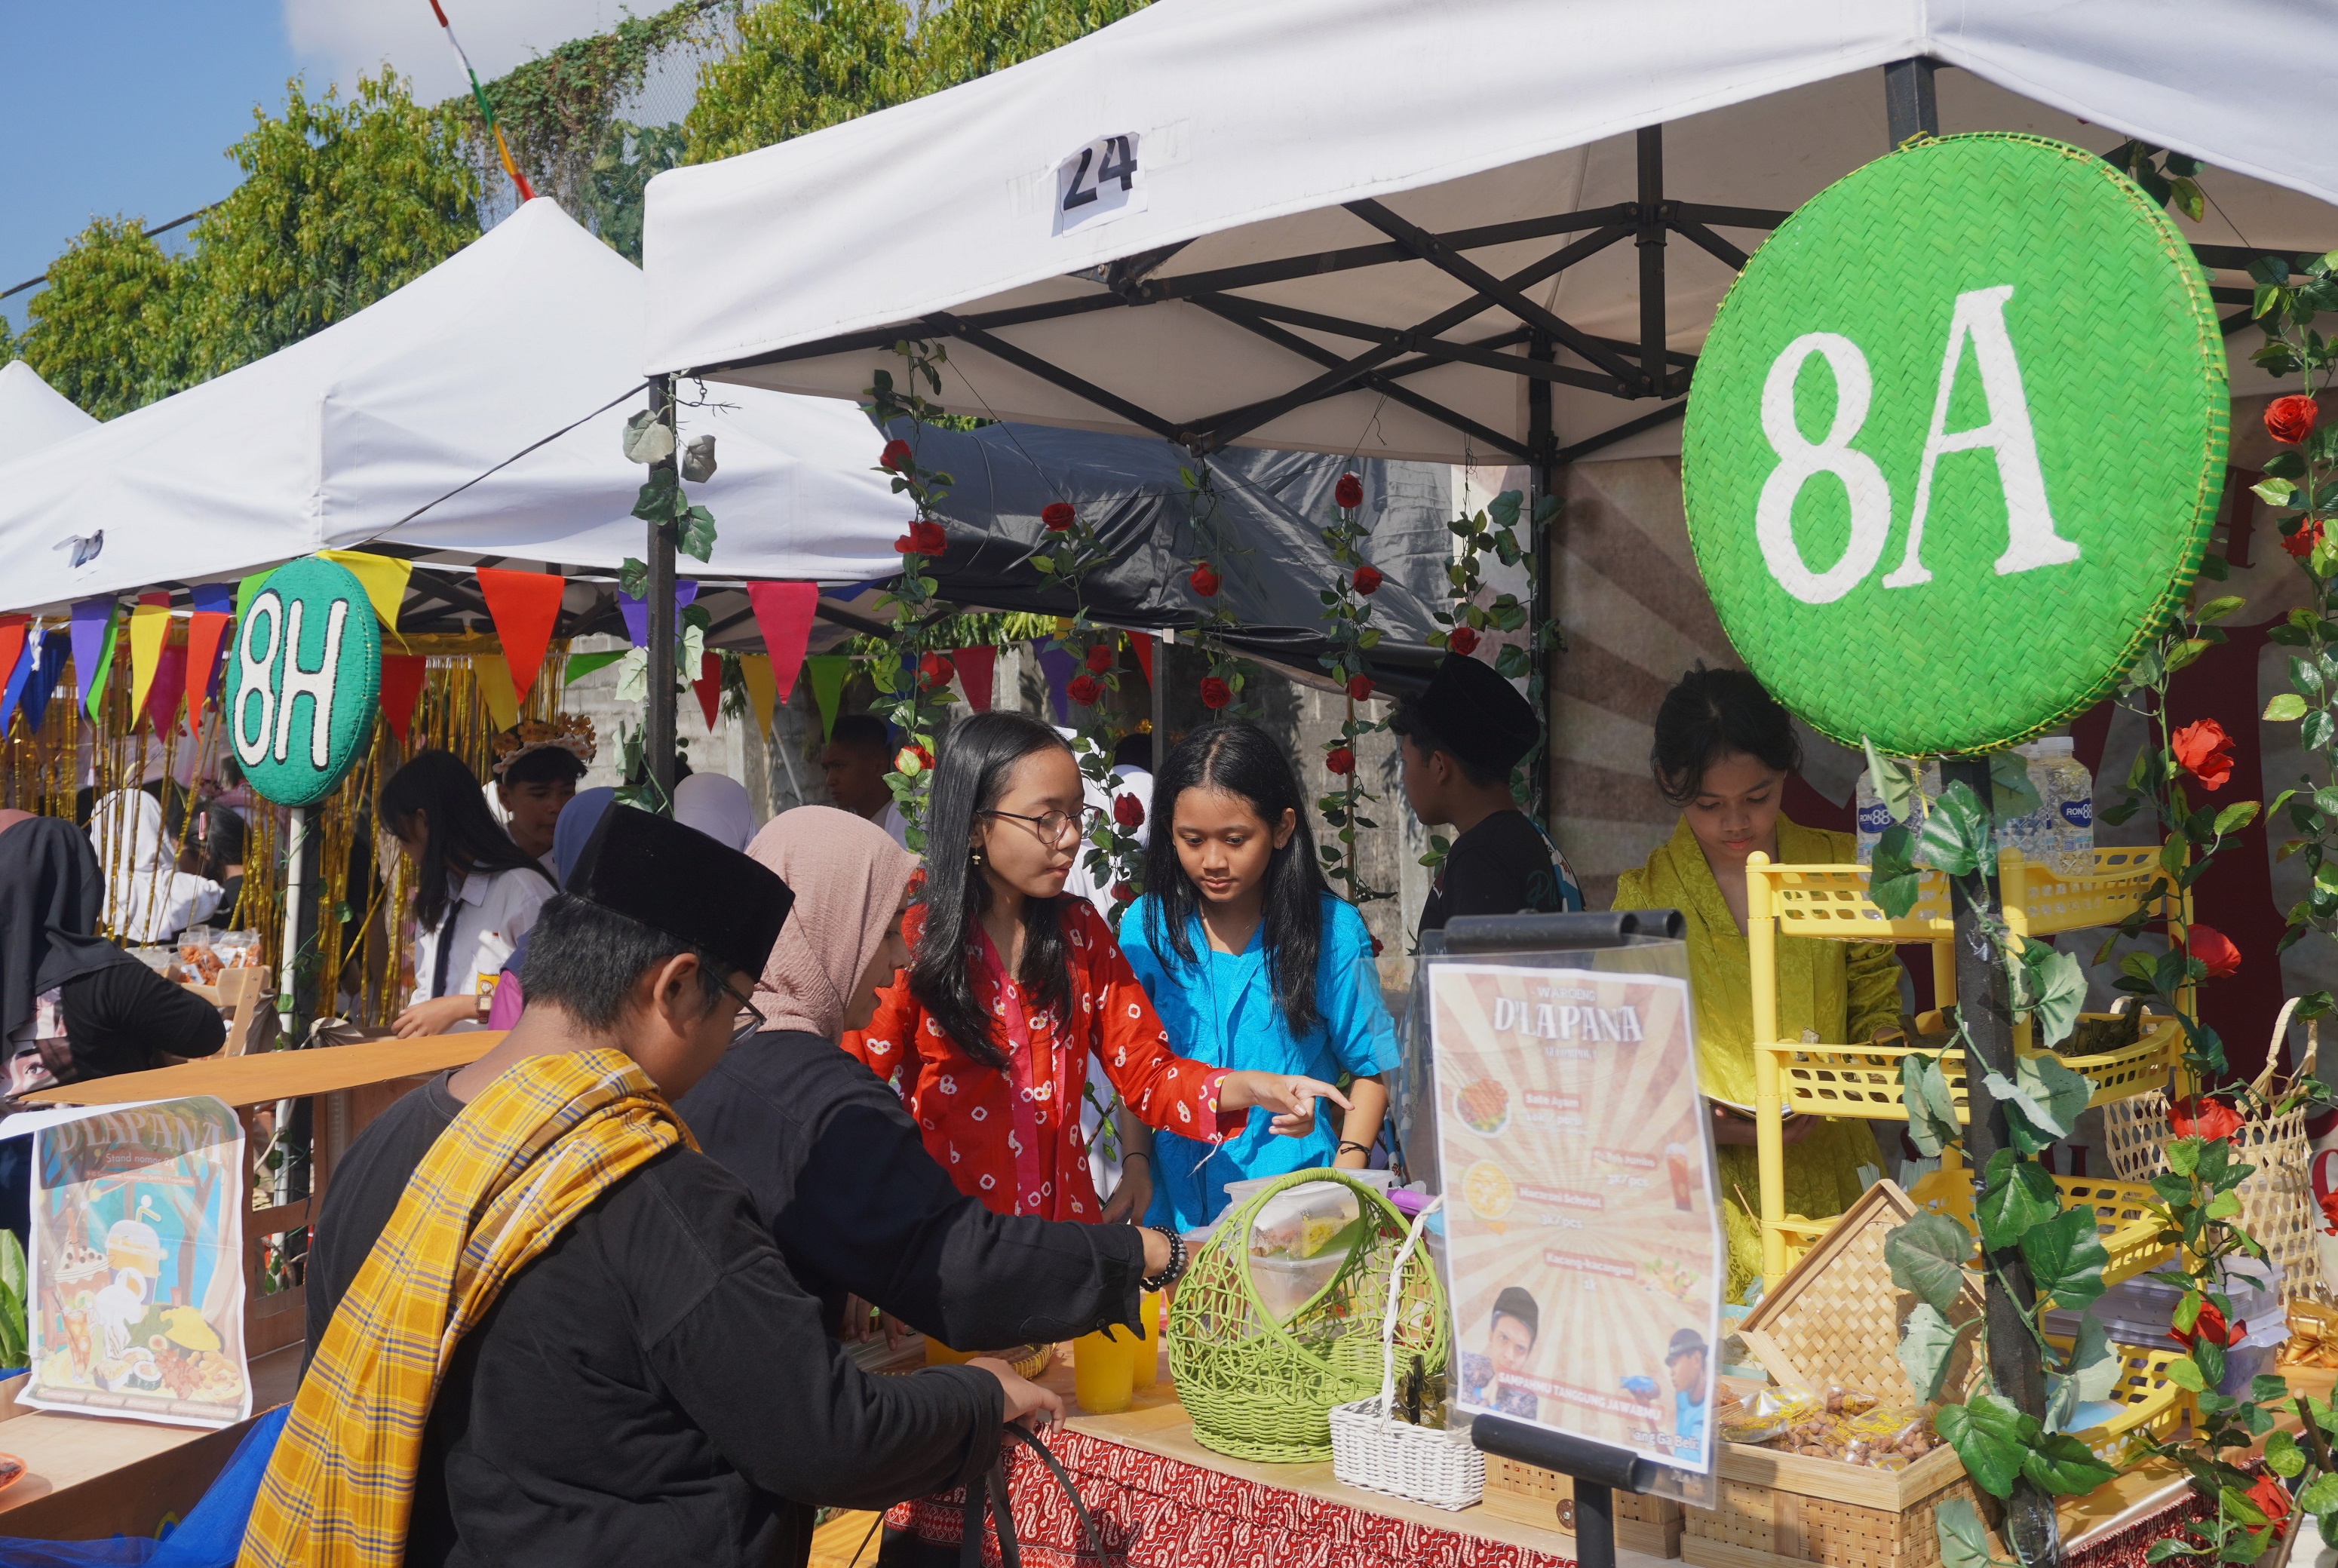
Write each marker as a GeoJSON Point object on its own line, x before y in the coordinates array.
{"type": "Point", "coordinates": [2184, 1373]}
{"type": "Point", "coordinates": [696, 537]}
{"type": "Point", "coordinates": [2235, 816]}
{"type": "Point", "coordinates": [2066, 1259]}
{"type": "Point", "coordinates": [2011, 792]}
{"type": "Point", "coordinates": [1957, 837]}
{"type": "Point", "coordinates": [2015, 1194]}
{"type": "Point", "coordinates": [2217, 609]}
{"type": "Point", "coordinates": [2061, 1464]}
{"type": "Point", "coordinates": [1964, 1539]}
{"type": "Point", "coordinates": [1926, 1343]}
{"type": "Point", "coordinates": [1932, 1109]}
{"type": "Point", "coordinates": [1893, 879]}
{"type": "Point", "coordinates": [13, 1323]}
{"type": "Point", "coordinates": [1927, 1254]}
{"type": "Point", "coordinates": [2282, 1456]}
{"type": "Point", "coordinates": [1895, 779]}
{"type": "Point", "coordinates": [2235, 1504]}
{"type": "Point", "coordinates": [2173, 1546]}
{"type": "Point", "coordinates": [1504, 508]}
{"type": "Point", "coordinates": [2053, 989]}
{"type": "Point", "coordinates": [2320, 1495]}
{"type": "Point", "coordinates": [2044, 1097]}
{"type": "Point", "coordinates": [2095, 1366]}
{"type": "Point", "coordinates": [655, 504]}
{"type": "Point", "coordinates": [1987, 1432]}
{"type": "Point", "coordinates": [634, 578]}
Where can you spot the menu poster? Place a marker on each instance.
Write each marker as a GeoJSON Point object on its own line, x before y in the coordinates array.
{"type": "Point", "coordinates": [135, 1302]}
{"type": "Point", "coordinates": [1586, 1255]}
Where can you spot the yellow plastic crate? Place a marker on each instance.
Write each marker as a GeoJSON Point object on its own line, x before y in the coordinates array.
{"type": "Point", "coordinates": [2129, 1232]}
{"type": "Point", "coordinates": [2153, 1407]}
{"type": "Point", "coordinates": [2040, 903]}
{"type": "Point", "coordinates": [1864, 1080]}
{"type": "Point", "coordinates": [1831, 902]}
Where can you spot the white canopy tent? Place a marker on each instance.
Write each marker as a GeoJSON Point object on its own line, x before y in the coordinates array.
{"type": "Point", "coordinates": [1488, 228]}
{"type": "Point", "coordinates": [472, 416]}
{"type": "Point", "coordinates": [33, 414]}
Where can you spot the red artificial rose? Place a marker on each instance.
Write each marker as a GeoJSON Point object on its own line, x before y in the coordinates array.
{"type": "Point", "coordinates": [1215, 694]}
{"type": "Point", "coordinates": [2209, 1326]}
{"type": "Point", "coordinates": [2202, 1116]}
{"type": "Point", "coordinates": [1100, 658]}
{"type": "Point", "coordinates": [896, 455]}
{"type": "Point", "coordinates": [1084, 690]}
{"type": "Point", "coordinates": [2302, 542]}
{"type": "Point", "coordinates": [1461, 639]}
{"type": "Point", "coordinates": [1128, 811]}
{"type": "Point", "coordinates": [1122, 893]}
{"type": "Point", "coordinates": [1368, 580]}
{"type": "Point", "coordinates": [1339, 760]}
{"type": "Point", "coordinates": [912, 761]}
{"type": "Point", "coordinates": [925, 537]}
{"type": "Point", "coordinates": [1056, 515]}
{"type": "Point", "coordinates": [1376, 947]}
{"type": "Point", "coordinates": [2203, 751]}
{"type": "Point", "coordinates": [1203, 582]}
{"type": "Point", "coordinates": [2329, 1204]}
{"type": "Point", "coordinates": [2271, 1499]}
{"type": "Point", "coordinates": [1348, 492]}
{"type": "Point", "coordinates": [2214, 949]}
{"type": "Point", "coordinates": [2290, 419]}
{"type": "Point", "coordinates": [934, 671]}
{"type": "Point", "coordinates": [1359, 687]}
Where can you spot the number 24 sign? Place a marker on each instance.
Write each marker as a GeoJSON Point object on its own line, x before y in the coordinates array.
{"type": "Point", "coordinates": [1098, 183]}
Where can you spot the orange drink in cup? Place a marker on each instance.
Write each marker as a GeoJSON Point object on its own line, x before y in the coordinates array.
{"type": "Point", "coordinates": [1104, 1371]}
{"type": "Point", "coordinates": [940, 1355]}
{"type": "Point", "coordinates": [1147, 1356]}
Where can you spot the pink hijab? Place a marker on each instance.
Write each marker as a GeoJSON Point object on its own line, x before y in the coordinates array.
{"type": "Point", "coordinates": [847, 876]}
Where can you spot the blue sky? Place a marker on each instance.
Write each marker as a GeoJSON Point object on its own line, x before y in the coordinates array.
{"type": "Point", "coordinates": [129, 107]}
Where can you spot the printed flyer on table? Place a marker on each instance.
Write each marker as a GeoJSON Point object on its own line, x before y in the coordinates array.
{"type": "Point", "coordinates": [1586, 1255]}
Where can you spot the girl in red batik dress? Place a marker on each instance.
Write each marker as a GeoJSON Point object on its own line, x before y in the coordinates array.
{"type": "Point", "coordinates": [1012, 986]}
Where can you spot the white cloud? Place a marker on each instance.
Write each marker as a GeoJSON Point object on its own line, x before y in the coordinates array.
{"type": "Point", "coordinates": [341, 40]}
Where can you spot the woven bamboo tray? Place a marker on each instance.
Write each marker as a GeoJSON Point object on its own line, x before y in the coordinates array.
{"type": "Point", "coordinates": [1536, 1496]}
{"type": "Point", "coordinates": [1864, 1080]}
{"type": "Point", "coordinates": [2129, 1232]}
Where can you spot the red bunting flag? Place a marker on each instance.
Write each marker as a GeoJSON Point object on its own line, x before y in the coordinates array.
{"type": "Point", "coordinates": [709, 686]}
{"type": "Point", "coordinates": [206, 633]}
{"type": "Point", "coordinates": [401, 684]}
{"type": "Point", "coordinates": [976, 667]}
{"type": "Point", "coordinates": [1144, 646]}
{"type": "Point", "coordinates": [13, 632]}
{"type": "Point", "coordinates": [525, 606]}
{"type": "Point", "coordinates": [170, 684]}
{"type": "Point", "coordinates": [783, 613]}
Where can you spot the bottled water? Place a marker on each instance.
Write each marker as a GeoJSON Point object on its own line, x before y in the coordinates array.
{"type": "Point", "coordinates": [2066, 791]}
{"type": "Point", "coordinates": [1873, 817]}
{"type": "Point", "coordinates": [2033, 835]}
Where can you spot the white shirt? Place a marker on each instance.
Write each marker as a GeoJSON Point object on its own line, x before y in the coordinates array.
{"type": "Point", "coordinates": [894, 823]}
{"type": "Point", "coordinates": [490, 915]}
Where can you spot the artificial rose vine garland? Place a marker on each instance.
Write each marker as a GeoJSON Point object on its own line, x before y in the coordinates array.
{"type": "Point", "coordinates": [911, 683]}
{"type": "Point", "coordinates": [1222, 683]}
{"type": "Point", "coordinates": [1114, 856]}
{"type": "Point", "coordinates": [1347, 617]}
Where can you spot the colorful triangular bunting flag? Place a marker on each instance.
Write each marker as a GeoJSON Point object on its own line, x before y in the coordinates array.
{"type": "Point", "coordinates": [709, 686]}
{"type": "Point", "coordinates": [976, 668]}
{"type": "Point", "coordinates": [495, 690]}
{"type": "Point", "coordinates": [384, 579]}
{"type": "Point", "coordinates": [150, 629]}
{"type": "Point", "coordinates": [525, 606]}
{"type": "Point", "coordinates": [763, 691]}
{"type": "Point", "coordinates": [402, 684]}
{"type": "Point", "coordinates": [827, 672]}
{"type": "Point", "coordinates": [93, 650]}
{"type": "Point", "coordinates": [207, 630]}
{"type": "Point", "coordinates": [783, 613]}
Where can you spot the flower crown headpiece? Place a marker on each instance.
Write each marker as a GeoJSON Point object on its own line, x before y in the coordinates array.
{"type": "Point", "coordinates": [571, 732]}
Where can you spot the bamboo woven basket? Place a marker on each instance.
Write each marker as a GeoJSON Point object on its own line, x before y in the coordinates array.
{"type": "Point", "coordinates": [2277, 1208]}
{"type": "Point", "coordinates": [1531, 1495]}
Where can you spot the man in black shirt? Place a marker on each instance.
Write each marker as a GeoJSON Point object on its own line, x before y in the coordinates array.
{"type": "Point", "coordinates": [653, 1386]}
{"type": "Point", "coordinates": [1459, 742]}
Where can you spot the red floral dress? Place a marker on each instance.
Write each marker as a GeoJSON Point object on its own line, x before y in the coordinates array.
{"type": "Point", "coordinates": [1012, 1139]}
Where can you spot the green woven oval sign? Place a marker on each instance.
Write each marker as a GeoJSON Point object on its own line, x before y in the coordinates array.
{"type": "Point", "coordinates": [1955, 444]}
{"type": "Point", "coordinates": [306, 680]}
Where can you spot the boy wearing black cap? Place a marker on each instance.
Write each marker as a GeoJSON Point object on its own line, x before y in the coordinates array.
{"type": "Point", "coordinates": [1459, 741]}
{"type": "Point", "coordinates": [545, 1329]}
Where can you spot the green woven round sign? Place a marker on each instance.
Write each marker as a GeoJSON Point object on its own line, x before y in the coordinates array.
{"type": "Point", "coordinates": [306, 681]}
{"type": "Point", "coordinates": [1955, 444]}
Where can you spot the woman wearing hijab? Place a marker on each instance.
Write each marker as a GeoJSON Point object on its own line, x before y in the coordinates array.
{"type": "Point", "coordinates": [716, 805]}
{"type": "Point", "coordinates": [837, 1169]}
{"type": "Point", "coordinates": [568, 836]}
{"type": "Point", "coordinates": [73, 1005]}
{"type": "Point", "coordinates": [147, 898]}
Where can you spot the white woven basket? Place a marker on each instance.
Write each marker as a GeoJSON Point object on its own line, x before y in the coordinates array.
{"type": "Point", "coordinates": [1371, 1449]}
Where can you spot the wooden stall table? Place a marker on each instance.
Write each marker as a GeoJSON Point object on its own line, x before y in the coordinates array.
{"type": "Point", "coordinates": [89, 1477]}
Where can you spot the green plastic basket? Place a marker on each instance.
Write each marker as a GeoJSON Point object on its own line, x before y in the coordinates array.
{"type": "Point", "coordinates": [1262, 1387]}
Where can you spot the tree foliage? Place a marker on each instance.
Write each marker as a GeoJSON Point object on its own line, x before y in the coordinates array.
{"type": "Point", "coordinates": [105, 332]}
{"type": "Point", "coordinates": [802, 65]}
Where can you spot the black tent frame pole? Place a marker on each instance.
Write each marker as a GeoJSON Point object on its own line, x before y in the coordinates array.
{"type": "Point", "coordinates": [658, 751]}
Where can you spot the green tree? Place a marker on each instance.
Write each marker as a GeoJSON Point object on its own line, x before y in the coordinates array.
{"type": "Point", "coordinates": [615, 186]}
{"type": "Point", "coordinates": [342, 202]}
{"type": "Point", "coordinates": [970, 38]}
{"type": "Point", "coordinates": [106, 331]}
{"type": "Point", "coordinates": [802, 65]}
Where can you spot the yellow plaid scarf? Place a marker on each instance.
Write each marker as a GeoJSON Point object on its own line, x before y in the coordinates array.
{"type": "Point", "coordinates": [524, 1159]}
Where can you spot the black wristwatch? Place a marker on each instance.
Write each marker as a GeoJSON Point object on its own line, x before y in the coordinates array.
{"type": "Point", "coordinates": [1176, 1269]}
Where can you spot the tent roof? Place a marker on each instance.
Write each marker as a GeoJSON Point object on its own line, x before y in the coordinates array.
{"type": "Point", "coordinates": [1319, 181]}
{"type": "Point", "coordinates": [33, 414]}
{"type": "Point", "coordinates": [477, 411]}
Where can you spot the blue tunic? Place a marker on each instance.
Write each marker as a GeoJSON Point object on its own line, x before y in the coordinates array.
{"type": "Point", "coordinates": [1220, 1010]}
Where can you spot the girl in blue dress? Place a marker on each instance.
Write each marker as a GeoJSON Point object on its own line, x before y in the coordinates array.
{"type": "Point", "coordinates": [1251, 961]}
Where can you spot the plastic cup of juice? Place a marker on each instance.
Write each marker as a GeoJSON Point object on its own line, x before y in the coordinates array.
{"type": "Point", "coordinates": [1103, 1372]}
{"type": "Point", "coordinates": [940, 1355]}
{"type": "Point", "coordinates": [1147, 1356]}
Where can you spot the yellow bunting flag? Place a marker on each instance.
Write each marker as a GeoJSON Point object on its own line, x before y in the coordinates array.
{"type": "Point", "coordinates": [494, 676]}
{"type": "Point", "coordinates": [383, 577]}
{"type": "Point", "coordinates": [149, 627]}
{"type": "Point", "coordinates": [763, 688]}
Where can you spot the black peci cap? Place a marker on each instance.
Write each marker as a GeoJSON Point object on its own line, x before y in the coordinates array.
{"type": "Point", "coordinates": [676, 879]}
{"type": "Point", "coordinates": [1479, 716]}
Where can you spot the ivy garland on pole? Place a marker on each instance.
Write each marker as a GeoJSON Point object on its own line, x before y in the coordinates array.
{"type": "Point", "coordinates": [911, 682]}
{"type": "Point", "coordinates": [1347, 616]}
{"type": "Point", "coordinates": [1114, 858]}
{"type": "Point", "coordinates": [649, 438]}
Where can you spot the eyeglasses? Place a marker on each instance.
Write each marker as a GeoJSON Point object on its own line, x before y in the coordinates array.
{"type": "Point", "coordinates": [746, 1005]}
{"type": "Point", "coordinates": [1054, 827]}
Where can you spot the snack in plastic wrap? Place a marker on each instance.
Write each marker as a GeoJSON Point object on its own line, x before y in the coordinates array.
{"type": "Point", "coordinates": [1848, 1426]}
